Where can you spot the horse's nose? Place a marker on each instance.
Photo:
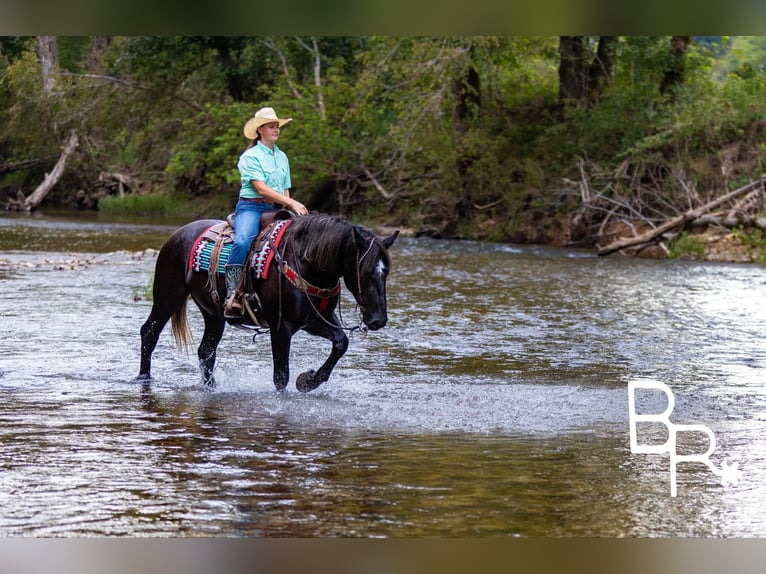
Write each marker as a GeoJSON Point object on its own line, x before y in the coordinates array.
{"type": "Point", "coordinates": [376, 323]}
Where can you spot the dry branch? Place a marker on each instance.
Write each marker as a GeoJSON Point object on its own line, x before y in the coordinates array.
{"type": "Point", "coordinates": [376, 183]}
{"type": "Point", "coordinates": [121, 180]}
{"type": "Point", "coordinates": [680, 220]}
{"type": "Point", "coordinates": [36, 197]}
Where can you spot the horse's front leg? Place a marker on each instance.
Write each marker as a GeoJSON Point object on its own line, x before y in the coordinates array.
{"type": "Point", "coordinates": [310, 380]}
{"type": "Point", "coordinates": [280, 353]}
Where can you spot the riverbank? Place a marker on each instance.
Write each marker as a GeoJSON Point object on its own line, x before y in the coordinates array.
{"type": "Point", "coordinates": [700, 243]}
{"type": "Point", "coordinates": [536, 227]}
{"type": "Point", "coordinates": [707, 245]}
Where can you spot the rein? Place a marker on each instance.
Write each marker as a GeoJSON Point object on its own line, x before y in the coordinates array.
{"type": "Point", "coordinates": [324, 294]}
{"type": "Point", "coordinates": [359, 271]}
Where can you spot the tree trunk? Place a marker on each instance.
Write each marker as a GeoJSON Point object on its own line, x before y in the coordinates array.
{"type": "Point", "coordinates": [317, 56]}
{"type": "Point", "coordinates": [600, 71]}
{"type": "Point", "coordinates": [467, 92]}
{"type": "Point", "coordinates": [271, 43]}
{"type": "Point", "coordinates": [49, 60]}
{"type": "Point", "coordinates": [37, 196]}
{"type": "Point", "coordinates": [318, 77]}
{"type": "Point", "coordinates": [467, 107]}
{"type": "Point", "coordinates": [675, 74]}
{"type": "Point", "coordinates": [582, 79]}
{"type": "Point", "coordinates": [228, 51]}
{"type": "Point", "coordinates": [573, 70]}
{"type": "Point", "coordinates": [98, 46]}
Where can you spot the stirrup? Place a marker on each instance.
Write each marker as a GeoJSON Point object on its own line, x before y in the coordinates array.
{"type": "Point", "coordinates": [233, 308]}
{"type": "Point", "coordinates": [252, 304]}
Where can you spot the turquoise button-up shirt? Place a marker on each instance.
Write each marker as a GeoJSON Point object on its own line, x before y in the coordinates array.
{"type": "Point", "coordinates": [259, 163]}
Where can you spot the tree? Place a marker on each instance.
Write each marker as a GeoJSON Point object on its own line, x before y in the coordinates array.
{"type": "Point", "coordinates": [582, 75]}
{"type": "Point", "coordinates": [49, 60]}
{"type": "Point", "coordinates": [98, 48]}
{"type": "Point", "coordinates": [229, 54]}
{"type": "Point", "coordinates": [573, 76]}
{"type": "Point", "coordinates": [600, 70]}
{"type": "Point", "coordinates": [674, 75]}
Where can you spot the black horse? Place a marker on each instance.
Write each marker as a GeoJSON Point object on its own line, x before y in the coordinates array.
{"type": "Point", "coordinates": [301, 291]}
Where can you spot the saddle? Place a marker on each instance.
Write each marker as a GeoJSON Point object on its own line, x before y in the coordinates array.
{"type": "Point", "coordinates": [267, 219]}
{"type": "Point", "coordinates": [211, 250]}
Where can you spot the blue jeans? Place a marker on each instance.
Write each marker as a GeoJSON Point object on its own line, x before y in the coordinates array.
{"type": "Point", "coordinates": [247, 224]}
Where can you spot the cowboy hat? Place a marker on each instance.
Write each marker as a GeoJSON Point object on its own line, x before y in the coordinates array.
{"type": "Point", "coordinates": [262, 116]}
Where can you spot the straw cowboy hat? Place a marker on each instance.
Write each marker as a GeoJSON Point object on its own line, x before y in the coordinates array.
{"type": "Point", "coordinates": [262, 116]}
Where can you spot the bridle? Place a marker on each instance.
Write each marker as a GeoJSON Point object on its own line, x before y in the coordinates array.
{"type": "Point", "coordinates": [361, 301]}
{"type": "Point", "coordinates": [324, 294]}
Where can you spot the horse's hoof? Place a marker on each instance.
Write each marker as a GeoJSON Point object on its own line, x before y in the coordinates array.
{"type": "Point", "coordinates": [142, 378]}
{"type": "Point", "coordinates": [305, 382]}
{"type": "Point", "coordinates": [209, 384]}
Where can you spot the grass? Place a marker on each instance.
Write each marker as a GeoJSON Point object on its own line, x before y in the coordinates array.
{"type": "Point", "coordinates": [754, 242]}
{"type": "Point", "coordinates": [686, 247]}
{"type": "Point", "coordinates": [144, 293]}
{"type": "Point", "coordinates": [145, 205]}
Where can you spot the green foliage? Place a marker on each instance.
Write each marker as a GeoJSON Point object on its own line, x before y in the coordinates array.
{"type": "Point", "coordinates": [204, 156]}
{"type": "Point", "coordinates": [73, 53]}
{"type": "Point", "coordinates": [684, 246]}
{"type": "Point", "coordinates": [145, 205]}
{"type": "Point", "coordinates": [457, 134]}
{"type": "Point", "coordinates": [744, 56]}
{"type": "Point", "coordinates": [145, 292]}
{"type": "Point", "coordinates": [754, 241]}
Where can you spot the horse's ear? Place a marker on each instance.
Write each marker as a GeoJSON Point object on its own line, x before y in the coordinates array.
{"type": "Point", "coordinates": [358, 238]}
{"type": "Point", "coordinates": [389, 241]}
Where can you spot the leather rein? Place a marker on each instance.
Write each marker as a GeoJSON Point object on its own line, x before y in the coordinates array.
{"type": "Point", "coordinates": [324, 294]}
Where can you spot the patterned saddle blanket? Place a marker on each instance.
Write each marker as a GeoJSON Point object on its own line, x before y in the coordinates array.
{"type": "Point", "coordinates": [212, 248]}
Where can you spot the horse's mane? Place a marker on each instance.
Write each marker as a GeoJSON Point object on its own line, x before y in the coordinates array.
{"type": "Point", "coordinates": [321, 237]}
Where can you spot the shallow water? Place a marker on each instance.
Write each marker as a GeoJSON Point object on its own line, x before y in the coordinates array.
{"type": "Point", "coordinates": [494, 403]}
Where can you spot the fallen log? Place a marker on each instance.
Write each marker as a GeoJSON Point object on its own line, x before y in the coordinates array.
{"type": "Point", "coordinates": [34, 199]}
{"type": "Point", "coordinates": [680, 220]}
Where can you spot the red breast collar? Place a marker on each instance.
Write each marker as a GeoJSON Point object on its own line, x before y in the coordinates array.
{"type": "Point", "coordinates": [300, 283]}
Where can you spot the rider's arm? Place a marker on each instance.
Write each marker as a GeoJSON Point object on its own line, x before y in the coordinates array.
{"type": "Point", "coordinates": [273, 196]}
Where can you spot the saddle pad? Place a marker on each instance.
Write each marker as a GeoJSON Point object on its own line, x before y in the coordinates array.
{"type": "Point", "coordinates": [264, 254]}
{"type": "Point", "coordinates": [199, 259]}
{"type": "Point", "coordinates": [200, 255]}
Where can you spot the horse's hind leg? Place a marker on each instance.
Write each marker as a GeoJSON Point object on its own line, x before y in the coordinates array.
{"type": "Point", "coordinates": [169, 294]}
{"type": "Point", "coordinates": [310, 380]}
{"type": "Point", "coordinates": [150, 334]}
{"type": "Point", "coordinates": [214, 327]}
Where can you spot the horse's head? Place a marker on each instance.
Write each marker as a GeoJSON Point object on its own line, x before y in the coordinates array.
{"type": "Point", "coordinates": [365, 275]}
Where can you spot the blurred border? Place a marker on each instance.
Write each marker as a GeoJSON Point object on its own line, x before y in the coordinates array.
{"type": "Point", "coordinates": [387, 17]}
{"type": "Point", "coordinates": [395, 556]}
{"type": "Point", "coordinates": [384, 17]}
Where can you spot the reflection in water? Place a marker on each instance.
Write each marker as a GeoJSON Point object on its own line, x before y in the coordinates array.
{"type": "Point", "coordinates": [494, 403]}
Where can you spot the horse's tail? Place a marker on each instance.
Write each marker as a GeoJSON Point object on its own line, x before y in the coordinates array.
{"type": "Point", "coordinates": [181, 330]}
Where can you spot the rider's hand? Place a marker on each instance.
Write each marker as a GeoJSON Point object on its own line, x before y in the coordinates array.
{"type": "Point", "coordinates": [299, 208]}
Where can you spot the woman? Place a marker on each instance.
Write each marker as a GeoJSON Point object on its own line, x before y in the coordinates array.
{"type": "Point", "coordinates": [265, 175]}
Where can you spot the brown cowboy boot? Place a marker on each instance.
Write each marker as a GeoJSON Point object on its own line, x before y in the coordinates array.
{"type": "Point", "coordinates": [233, 307]}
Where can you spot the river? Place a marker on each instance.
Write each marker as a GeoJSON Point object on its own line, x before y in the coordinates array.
{"type": "Point", "coordinates": [495, 402]}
